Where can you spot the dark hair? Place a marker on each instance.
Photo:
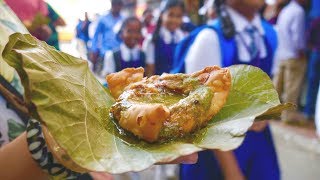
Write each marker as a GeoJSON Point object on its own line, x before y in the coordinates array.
{"type": "Point", "coordinates": [125, 23]}
{"type": "Point", "coordinates": [116, 2]}
{"type": "Point", "coordinates": [168, 4]}
{"type": "Point", "coordinates": [146, 11]}
{"type": "Point", "coordinates": [228, 28]}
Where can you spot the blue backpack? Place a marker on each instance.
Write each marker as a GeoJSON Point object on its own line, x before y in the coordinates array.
{"type": "Point", "coordinates": [228, 46]}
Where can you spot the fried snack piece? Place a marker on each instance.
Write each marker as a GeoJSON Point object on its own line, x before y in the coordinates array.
{"type": "Point", "coordinates": [118, 81]}
{"type": "Point", "coordinates": [168, 106]}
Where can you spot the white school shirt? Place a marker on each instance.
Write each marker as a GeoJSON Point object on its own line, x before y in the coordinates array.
{"type": "Point", "coordinates": [148, 46]}
{"type": "Point", "coordinates": [205, 51]}
{"type": "Point", "coordinates": [291, 30]}
{"type": "Point", "coordinates": [109, 65]}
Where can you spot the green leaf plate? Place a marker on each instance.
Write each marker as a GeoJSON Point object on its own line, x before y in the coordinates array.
{"type": "Point", "coordinates": [67, 98]}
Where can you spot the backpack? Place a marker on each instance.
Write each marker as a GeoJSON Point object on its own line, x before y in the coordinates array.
{"type": "Point", "coordinates": [228, 45]}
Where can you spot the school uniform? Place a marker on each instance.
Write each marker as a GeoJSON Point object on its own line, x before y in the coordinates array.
{"type": "Point", "coordinates": [254, 44]}
{"type": "Point", "coordinates": [313, 73]}
{"type": "Point", "coordinates": [105, 38]}
{"type": "Point", "coordinates": [290, 72]}
{"type": "Point", "coordinates": [122, 58]}
{"type": "Point", "coordinates": [161, 52]}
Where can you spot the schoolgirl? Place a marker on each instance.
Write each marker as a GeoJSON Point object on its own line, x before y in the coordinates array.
{"type": "Point", "coordinates": [239, 36]}
{"type": "Point", "coordinates": [159, 48]}
{"type": "Point", "coordinates": [129, 54]}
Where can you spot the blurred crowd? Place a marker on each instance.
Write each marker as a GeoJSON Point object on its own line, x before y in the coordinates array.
{"type": "Point", "coordinates": [112, 42]}
{"type": "Point", "coordinates": [290, 55]}
{"type": "Point", "coordinates": [152, 41]}
{"type": "Point", "coordinates": [39, 18]}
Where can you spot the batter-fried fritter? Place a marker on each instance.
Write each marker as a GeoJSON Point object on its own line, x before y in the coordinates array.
{"type": "Point", "coordinates": [170, 105]}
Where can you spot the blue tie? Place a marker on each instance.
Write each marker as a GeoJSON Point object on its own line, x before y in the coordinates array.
{"type": "Point", "coordinates": [252, 48]}
{"type": "Point", "coordinates": [172, 38]}
{"type": "Point", "coordinates": [131, 56]}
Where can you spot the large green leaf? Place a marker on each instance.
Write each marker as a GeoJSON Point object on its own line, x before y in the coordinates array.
{"type": "Point", "coordinates": [75, 107]}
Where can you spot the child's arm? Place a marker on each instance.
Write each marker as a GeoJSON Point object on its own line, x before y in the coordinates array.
{"type": "Point", "coordinates": [109, 65]}
{"type": "Point", "coordinates": [150, 69]}
{"type": "Point", "coordinates": [229, 165]}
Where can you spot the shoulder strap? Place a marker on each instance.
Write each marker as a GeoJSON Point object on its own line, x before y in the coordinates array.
{"type": "Point", "coordinates": [271, 36]}
{"type": "Point", "coordinates": [117, 59]}
{"type": "Point", "coordinates": [227, 45]}
{"type": "Point", "coordinates": [182, 48]}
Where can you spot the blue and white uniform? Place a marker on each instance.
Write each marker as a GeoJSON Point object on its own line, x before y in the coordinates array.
{"type": "Point", "coordinates": [105, 38]}
{"type": "Point", "coordinates": [161, 52]}
{"type": "Point", "coordinates": [122, 58]}
{"type": "Point", "coordinates": [256, 156]}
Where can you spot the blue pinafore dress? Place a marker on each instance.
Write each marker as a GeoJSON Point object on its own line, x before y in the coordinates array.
{"type": "Point", "coordinates": [135, 63]}
{"type": "Point", "coordinates": [164, 54]}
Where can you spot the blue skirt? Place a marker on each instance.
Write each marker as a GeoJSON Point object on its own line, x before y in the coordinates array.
{"type": "Point", "coordinates": [256, 157]}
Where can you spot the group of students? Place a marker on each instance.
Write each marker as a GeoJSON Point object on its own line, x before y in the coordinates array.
{"type": "Point", "coordinates": [125, 48]}
{"type": "Point", "coordinates": [158, 50]}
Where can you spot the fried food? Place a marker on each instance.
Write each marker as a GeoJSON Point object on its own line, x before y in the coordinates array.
{"type": "Point", "coordinates": [167, 106]}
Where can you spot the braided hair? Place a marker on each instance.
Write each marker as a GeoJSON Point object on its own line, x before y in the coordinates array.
{"type": "Point", "coordinates": [228, 28]}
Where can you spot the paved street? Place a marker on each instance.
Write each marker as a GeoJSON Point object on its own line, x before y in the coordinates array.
{"type": "Point", "coordinates": [298, 152]}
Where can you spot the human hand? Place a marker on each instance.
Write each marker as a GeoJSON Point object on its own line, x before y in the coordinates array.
{"type": "Point", "coordinates": [188, 159]}
{"type": "Point", "coordinates": [234, 176]}
{"type": "Point", "coordinates": [259, 126]}
{"type": "Point", "coordinates": [229, 165]}
{"type": "Point", "coordinates": [101, 176]}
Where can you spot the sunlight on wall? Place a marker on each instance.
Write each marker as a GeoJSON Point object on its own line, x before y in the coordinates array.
{"type": "Point", "coordinates": [73, 10]}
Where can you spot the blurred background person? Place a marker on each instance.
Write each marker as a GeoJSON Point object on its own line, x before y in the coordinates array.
{"type": "Point", "coordinates": [92, 28]}
{"type": "Point", "coordinates": [187, 25]}
{"type": "Point", "coordinates": [129, 53]}
{"type": "Point", "coordinates": [105, 38]}
{"type": "Point", "coordinates": [313, 73]}
{"type": "Point", "coordinates": [82, 35]}
{"type": "Point", "coordinates": [55, 21]}
{"type": "Point", "coordinates": [209, 11]}
{"type": "Point", "coordinates": [91, 31]}
{"type": "Point", "coordinates": [27, 11]}
{"type": "Point", "coordinates": [317, 114]}
{"type": "Point", "coordinates": [272, 11]}
{"type": "Point", "coordinates": [290, 72]}
{"type": "Point", "coordinates": [148, 22]}
{"type": "Point", "coordinates": [239, 36]}
{"type": "Point", "coordinates": [159, 48]}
